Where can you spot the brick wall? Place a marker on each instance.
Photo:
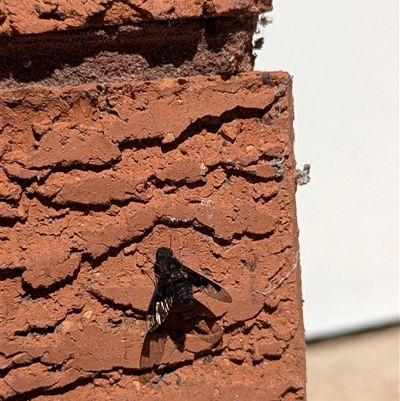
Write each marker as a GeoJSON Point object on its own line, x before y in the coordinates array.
{"type": "Point", "coordinates": [114, 141]}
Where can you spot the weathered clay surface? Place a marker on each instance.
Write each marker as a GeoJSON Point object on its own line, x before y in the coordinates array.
{"type": "Point", "coordinates": [27, 16]}
{"type": "Point", "coordinates": [88, 193]}
{"type": "Point", "coordinates": [146, 51]}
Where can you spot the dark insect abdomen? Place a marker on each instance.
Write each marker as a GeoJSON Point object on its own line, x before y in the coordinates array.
{"type": "Point", "coordinates": [183, 291]}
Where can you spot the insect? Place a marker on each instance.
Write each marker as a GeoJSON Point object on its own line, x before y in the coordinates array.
{"type": "Point", "coordinates": [177, 280]}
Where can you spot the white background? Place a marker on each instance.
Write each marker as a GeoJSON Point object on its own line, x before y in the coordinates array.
{"type": "Point", "coordinates": [344, 58]}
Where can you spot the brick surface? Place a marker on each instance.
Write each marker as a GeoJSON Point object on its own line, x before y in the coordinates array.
{"type": "Point", "coordinates": [93, 180]}
{"type": "Point", "coordinates": [32, 17]}
{"type": "Point", "coordinates": [140, 52]}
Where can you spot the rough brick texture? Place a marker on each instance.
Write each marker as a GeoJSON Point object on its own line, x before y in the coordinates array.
{"type": "Point", "coordinates": [93, 179]}
{"type": "Point", "coordinates": [145, 51]}
{"type": "Point", "coordinates": [27, 16]}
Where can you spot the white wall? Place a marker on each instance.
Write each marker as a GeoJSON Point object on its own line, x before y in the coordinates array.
{"type": "Point", "coordinates": [344, 58]}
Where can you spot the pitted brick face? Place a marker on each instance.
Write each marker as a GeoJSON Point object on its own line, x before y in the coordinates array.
{"type": "Point", "coordinates": [91, 189]}
{"type": "Point", "coordinates": [27, 17]}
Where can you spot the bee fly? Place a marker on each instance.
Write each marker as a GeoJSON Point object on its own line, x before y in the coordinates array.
{"type": "Point", "coordinates": [176, 280]}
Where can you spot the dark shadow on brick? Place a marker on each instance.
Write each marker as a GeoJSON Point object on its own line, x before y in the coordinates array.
{"type": "Point", "coordinates": [144, 51]}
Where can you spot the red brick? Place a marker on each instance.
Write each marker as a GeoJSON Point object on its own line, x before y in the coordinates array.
{"type": "Point", "coordinates": [109, 189]}
{"type": "Point", "coordinates": [26, 17]}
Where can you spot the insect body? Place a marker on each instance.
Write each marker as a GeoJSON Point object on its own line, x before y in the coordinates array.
{"type": "Point", "coordinates": [177, 280]}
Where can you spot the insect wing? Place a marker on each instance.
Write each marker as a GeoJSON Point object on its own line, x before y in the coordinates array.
{"type": "Point", "coordinates": [160, 303]}
{"type": "Point", "coordinates": [207, 286]}
{"type": "Point", "coordinates": [152, 353]}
